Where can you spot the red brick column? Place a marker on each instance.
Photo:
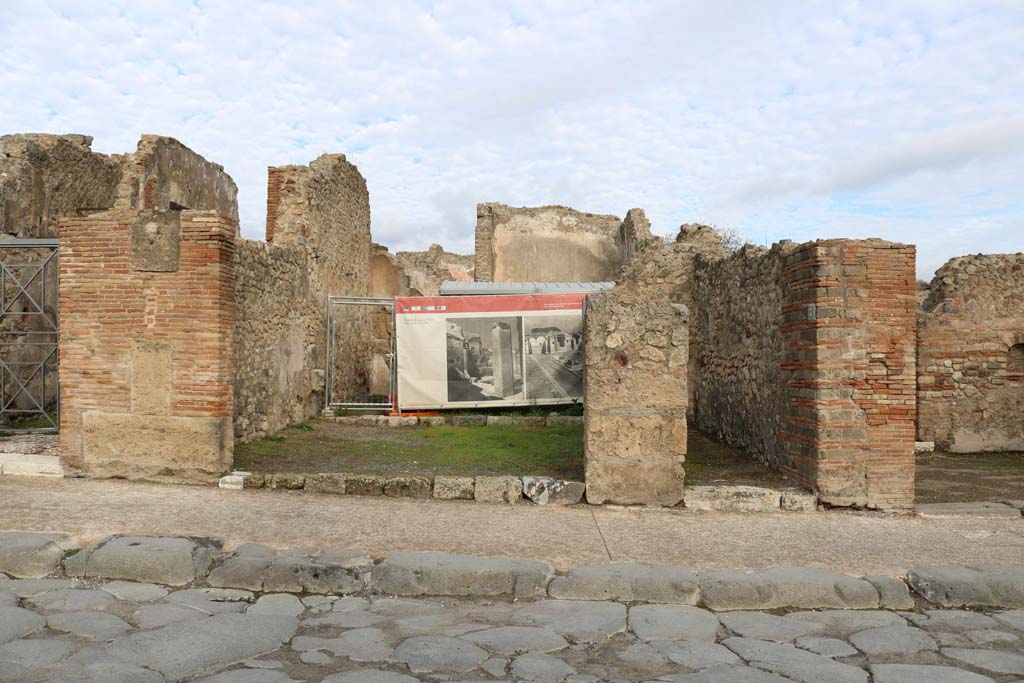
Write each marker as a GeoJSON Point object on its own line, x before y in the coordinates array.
{"type": "Point", "coordinates": [146, 348]}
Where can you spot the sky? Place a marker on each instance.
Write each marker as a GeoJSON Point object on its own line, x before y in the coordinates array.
{"type": "Point", "coordinates": [781, 120]}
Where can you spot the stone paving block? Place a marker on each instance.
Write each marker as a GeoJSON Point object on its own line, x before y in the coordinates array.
{"type": "Point", "coordinates": [469, 420]}
{"type": "Point", "coordinates": [627, 582]}
{"type": "Point", "coordinates": [923, 673]}
{"type": "Point", "coordinates": [727, 674]}
{"type": "Point", "coordinates": [952, 621]}
{"type": "Point", "coordinates": [327, 482]}
{"type": "Point", "coordinates": [212, 600]}
{"type": "Point", "coordinates": [989, 660]}
{"type": "Point", "coordinates": [26, 588]}
{"type": "Point", "coordinates": [761, 626]}
{"type": "Point", "coordinates": [498, 490]}
{"type": "Point", "coordinates": [798, 501]}
{"type": "Point", "coordinates": [27, 555]}
{"type": "Point", "coordinates": [829, 647]}
{"type": "Point", "coordinates": [892, 593]}
{"type": "Point", "coordinates": [299, 570]}
{"type": "Point", "coordinates": [429, 573]}
{"type": "Point", "coordinates": [454, 488]}
{"type": "Point", "coordinates": [578, 620]}
{"type": "Point", "coordinates": [792, 662]}
{"type": "Point", "coordinates": [91, 625]}
{"type": "Point", "coordinates": [777, 587]}
{"type": "Point", "coordinates": [513, 640]}
{"type": "Point", "coordinates": [893, 640]}
{"type": "Point", "coordinates": [93, 665]}
{"type": "Point", "coordinates": [439, 654]}
{"type": "Point", "coordinates": [250, 676]}
{"type": "Point", "coordinates": [167, 560]}
{"type": "Point", "coordinates": [71, 600]}
{"type": "Point", "coordinates": [540, 667]}
{"type": "Point", "coordinates": [673, 622]}
{"type": "Point", "coordinates": [1013, 618]}
{"type": "Point", "coordinates": [370, 676]}
{"type": "Point", "coordinates": [1014, 503]}
{"type": "Point", "coordinates": [696, 654]}
{"type": "Point", "coordinates": [16, 622]}
{"type": "Point", "coordinates": [998, 510]}
{"type": "Point", "coordinates": [987, 585]}
{"type": "Point", "coordinates": [731, 499]}
{"type": "Point", "coordinates": [549, 491]}
{"type": "Point", "coordinates": [277, 603]}
{"type": "Point", "coordinates": [191, 648]}
{"type": "Point", "coordinates": [841, 623]}
{"type": "Point", "coordinates": [359, 645]}
{"type": "Point", "coordinates": [407, 487]}
{"type": "Point", "coordinates": [135, 592]}
{"type": "Point", "coordinates": [19, 658]}
{"type": "Point", "coordinates": [160, 614]}
{"type": "Point", "coordinates": [364, 485]}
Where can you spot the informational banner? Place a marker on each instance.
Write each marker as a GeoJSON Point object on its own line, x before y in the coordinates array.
{"type": "Point", "coordinates": [476, 351]}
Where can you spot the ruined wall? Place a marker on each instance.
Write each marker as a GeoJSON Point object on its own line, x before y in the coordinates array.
{"type": "Point", "coordinates": [635, 396]}
{"type": "Point", "coordinates": [146, 354]}
{"type": "Point", "coordinates": [806, 357]}
{"type": "Point", "coordinates": [970, 382]}
{"type": "Point", "coordinates": [165, 174]}
{"type": "Point", "coordinates": [426, 270]}
{"type": "Point", "coordinates": [318, 230]}
{"type": "Point", "coordinates": [45, 176]}
{"type": "Point", "coordinates": [546, 244]}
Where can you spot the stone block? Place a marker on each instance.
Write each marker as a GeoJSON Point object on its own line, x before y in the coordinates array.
{"type": "Point", "coordinates": [254, 481]}
{"type": "Point", "coordinates": [231, 482]}
{"type": "Point", "coordinates": [778, 587]}
{"type": "Point", "coordinates": [518, 420]}
{"type": "Point", "coordinates": [151, 377]}
{"type": "Point", "coordinates": [156, 241]}
{"type": "Point", "coordinates": [627, 582]}
{"type": "Point", "coordinates": [498, 490]}
{"type": "Point", "coordinates": [564, 420]}
{"type": "Point", "coordinates": [298, 570]}
{"type": "Point", "coordinates": [167, 560]}
{"type": "Point", "coordinates": [799, 501]}
{"type": "Point", "coordinates": [924, 446]}
{"type": "Point", "coordinates": [327, 482]}
{"type": "Point", "coordinates": [26, 555]}
{"type": "Point", "coordinates": [403, 421]}
{"type": "Point", "coordinates": [364, 485]}
{"type": "Point", "coordinates": [654, 480]}
{"type": "Point", "coordinates": [443, 574]}
{"type": "Point", "coordinates": [549, 491]}
{"type": "Point", "coordinates": [731, 499]}
{"type": "Point", "coordinates": [407, 487]}
{"type": "Point", "coordinates": [985, 585]}
{"type": "Point", "coordinates": [892, 593]}
{"type": "Point", "coordinates": [287, 481]}
{"type": "Point", "coordinates": [469, 420]}
{"type": "Point", "coordinates": [432, 421]}
{"type": "Point", "coordinates": [454, 488]}
{"type": "Point", "coordinates": [30, 465]}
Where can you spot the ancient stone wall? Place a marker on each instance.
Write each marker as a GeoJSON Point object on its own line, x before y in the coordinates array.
{"type": "Point", "coordinates": [970, 381]}
{"type": "Point", "coordinates": [318, 230]}
{"type": "Point", "coordinates": [426, 270]}
{"type": "Point", "coordinates": [546, 244]}
{"type": "Point", "coordinates": [806, 357]}
{"type": "Point", "coordinates": [635, 398]}
{"type": "Point", "coordinates": [45, 176]}
{"type": "Point", "coordinates": [165, 174]}
{"type": "Point", "coordinates": [146, 353]}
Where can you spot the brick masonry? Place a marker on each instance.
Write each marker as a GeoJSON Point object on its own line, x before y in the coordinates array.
{"type": "Point", "coordinates": [970, 381]}
{"type": "Point", "coordinates": [146, 354]}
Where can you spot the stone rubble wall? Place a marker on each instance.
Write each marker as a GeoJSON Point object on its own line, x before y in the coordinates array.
{"type": "Point", "coordinates": [147, 323]}
{"type": "Point", "coordinates": [426, 270]}
{"type": "Point", "coordinates": [970, 391]}
{"type": "Point", "coordinates": [635, 398]}
{"type": "Point", "coordinates": [318, 243]}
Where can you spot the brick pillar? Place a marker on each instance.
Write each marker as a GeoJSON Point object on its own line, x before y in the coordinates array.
{"type": "Point", "coordinates": [146, 348]}
{"type": "Point", "coordinates": [635, 399]}
{"type": "Point", "coordinates": [501, 361]}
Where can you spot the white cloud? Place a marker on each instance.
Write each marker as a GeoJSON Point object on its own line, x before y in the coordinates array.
{"type": "Point", "coordinates": [803, 120]}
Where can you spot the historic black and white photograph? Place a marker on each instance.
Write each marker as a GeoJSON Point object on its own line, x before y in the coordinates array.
{"type": "Point", "coordinates": [554, 356]}
{"type": "Point", "coordinates": [485, 358]}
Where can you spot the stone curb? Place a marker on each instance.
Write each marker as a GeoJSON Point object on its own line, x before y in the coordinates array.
{"type": "Point", "coordinates": [182, 561]}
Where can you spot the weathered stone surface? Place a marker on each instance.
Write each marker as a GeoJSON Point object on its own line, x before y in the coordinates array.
{"type": "Point", "coordinates": [998, 510]}
{"type": "Point", "coordinates": [250, 676]}
{"type": "Point", "coordinates": [498, 490]}
{"type": "Point", "coordinates": [278, 603]}
{"type": "Point", "coordinates": [923, 673]}
{"type": "Point", "coordinates": [952, 621]}
{"type": "Point", "coordinates": [364, 485]}
{"type": "Point", "coordinates": [893, 640]}
{"type": "Point", "coordinates": [170, 560]}
{"type": "Point", "coordinates": [19, 658]}
{"type": "Point", "coordinates": [798, 501]}
{"type": "Point", "coordinates": [439, 654]}
{"type": "Point", "coordinates": [673, 622]}
{"type": "Point", "coordinates": [1013, 618]}
{"type": "Point", "coordinates": [794, 663]}
{"type": "Point", "coordinates": [997, 586]}
{"type": "Point", "coordinates": [191, 648]}
{"type": "Point", "coordinates": [134, 592]}
{"type": "Point", "coordinates": [511, 640]}
{"type": "Point", "coordinates": [26, 588]}
{"type": "Point", "coordinates": [731, 499]}
{"type": "Point", "coordinates": [407, 487]}
{"type": "Point", "coordinates": [16, 622]}
{"type": "Point", "coordinates": [785, 587]}
{"type": "Point", "coordinates": [454, 488]}
{"type": "Point", "coordinates": [328, 482]}
{"type": "Point", "coordinates": [359, 645]}
{"type": "Point", "coordinates": [92, 625]}
{"type": "Point", "coordinates": [762, 626]}
{"type": "Point", "coordinates": [541, 667]}
{"type": "Point", "coordinates": [696, 654]}
{"type": "Point", "coordinates": [564, 420]}
{"type": "Point", "coordinates": [841, 623]}
{"type": "Point", "coordinates": [300, 570]}
{"type": "Point", "coordinates": [549, 491]}
{"type": "Point", "coordinates": [444, 574]}
{"type": "Point", "coordinates": [212, 600]}
{"type": "Point", "coordinates": [32, 555]}
{"type": "Point", "coordinates": [627, 582]}
{"type": "Point", "coordinates": [579, 621]}
{"type": "Point", "coordinates": [496, 666]}
{"type": "Point", "coordinates": [828, 647]}
{"type": "Point", "coordinates": [892, 593]}
{"type": "Point", "coordinates": [728, 674]}
{"type": "Point", "coordinates": [71, 600]}
{"type": "Point", "coordinates": [287, 481]}
{"type": "Point", "coordinates": [989, 660]}
{"type": "Point", "coordinates": [155, 616]}
{"type": "Point", "coordinates": [469, 420]}
{"type": "Point", "coordinates": [369, 676]}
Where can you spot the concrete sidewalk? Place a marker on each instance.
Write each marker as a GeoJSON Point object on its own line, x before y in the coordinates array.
{"type": "Point", "coordinates": [565, 537]}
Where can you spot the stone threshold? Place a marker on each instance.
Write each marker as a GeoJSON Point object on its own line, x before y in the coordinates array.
{"type": "Point", "coordinates": [511, 490]}
{"type": "Point", "coordinates": [457, 420]}
{"type": "Point", "coordinates": [30, 465]}
{"type": "Point", "coordinates": [185, 561]}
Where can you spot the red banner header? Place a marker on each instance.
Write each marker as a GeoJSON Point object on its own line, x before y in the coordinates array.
{"type": "Point", "coordinates": [427, 305]}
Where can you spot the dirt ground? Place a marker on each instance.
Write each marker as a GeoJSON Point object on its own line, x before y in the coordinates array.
{"type": "Point", "coordinates": [969, 477]}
